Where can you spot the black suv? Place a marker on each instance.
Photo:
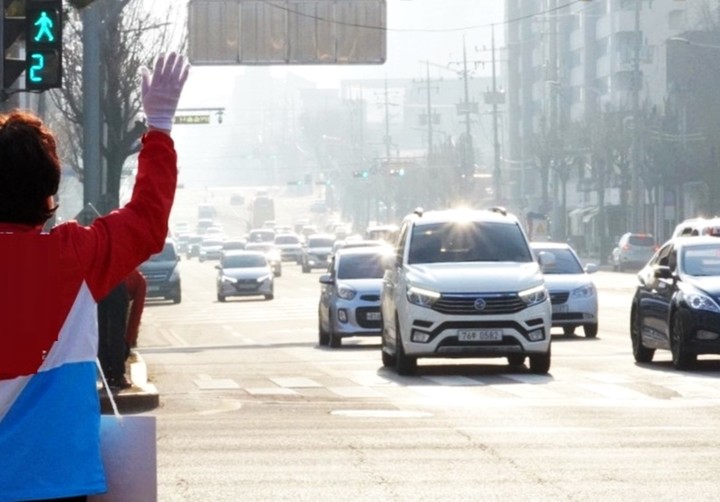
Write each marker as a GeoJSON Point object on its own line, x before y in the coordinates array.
{"type": "Point", "coordinates": [162, 274]}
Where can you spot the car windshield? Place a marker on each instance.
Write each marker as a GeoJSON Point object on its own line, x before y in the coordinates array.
{"type": "Point", "coordinates": [565, 262]}
{"type": "Point", "coordinates": [244, 261]}
{"type": "Point", "coordinates": [287, 239]}
{"type": "Point", "coordinates": [362, 266]}
{"type": "Point", "coordinates": [468, 242]}
{"type": "Point", "coordinates": [167, 254]}
{"type": "Point", "coordinates": [701, 260]}
{"type": "Point", "coordinates": [320, 243]}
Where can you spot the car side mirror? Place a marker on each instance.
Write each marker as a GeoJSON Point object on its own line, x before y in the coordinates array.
{"type": "Point", "coordinates": [591, 268]}
{"type": "Point", "coordinates": [546, 259]}
{"type": "Point", "coordinates": [326, 279]}
{"type": "Point", "coordinates": [663, 272]}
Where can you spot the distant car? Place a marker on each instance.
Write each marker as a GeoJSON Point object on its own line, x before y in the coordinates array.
{"type": "Point", "coordinates": [203, 225]}
{"type": "Point", "coordinates": [210, 249]}
{"type": "Point", "coordinates": [357, 243]}
{"type": "Point", "coordinates": [698, 226]}
{"type": "Point", "coordinates": [350, 295]}
{"type": "Point", "coordinates": [386, 233]}
{"type": "Point", "coordinates": [261, 235]}
{"type": "Point", "coordinates": [290, 246]}
{"type": "Point", "coordinates": [244, 273]}
{"type": "Point", "coordinates": [573, 294]}
{"type": "Point", "coordinates": [633, 250]}
{"type": "Point", "coordinates": [271, 253]}
{"type": "Point", "coordinates": [317, 251]}
{"type": "Point", "coordinates": [676, 306]}
{"type": "Point", "coordinates": [193, 245]}
{"type": "Point", "coordinates": [237, 199]}
{"type": "Point", "coordinates": [233, 245]}
{"type": "Point", "coordinates": [162, 274]}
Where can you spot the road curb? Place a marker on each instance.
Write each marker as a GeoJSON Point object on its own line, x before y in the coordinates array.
{"type": "Point", "coordinates": [139, 397]}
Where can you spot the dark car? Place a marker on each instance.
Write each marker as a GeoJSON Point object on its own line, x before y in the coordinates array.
{"type": "Point", "coordinates": [162, 274]}
{"type": "Point", "coordinates": [676, 306]}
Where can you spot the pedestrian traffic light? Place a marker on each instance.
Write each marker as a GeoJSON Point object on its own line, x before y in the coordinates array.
{"type": "Point", "coordinates": [43, 44]}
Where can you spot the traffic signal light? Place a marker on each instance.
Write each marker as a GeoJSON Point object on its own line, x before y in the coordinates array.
{"type": "Point", "coordinates": [43, 44]}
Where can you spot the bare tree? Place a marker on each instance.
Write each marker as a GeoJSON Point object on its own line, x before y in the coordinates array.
{"type": "Point", "coordinates": [129, 38]}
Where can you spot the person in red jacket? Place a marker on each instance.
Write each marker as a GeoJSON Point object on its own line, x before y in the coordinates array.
{"type": "Point", "coordinates": [50, 284]}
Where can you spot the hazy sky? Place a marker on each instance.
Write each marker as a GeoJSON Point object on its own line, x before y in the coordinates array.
{"type": "Point", "coordinates": [418, 30]}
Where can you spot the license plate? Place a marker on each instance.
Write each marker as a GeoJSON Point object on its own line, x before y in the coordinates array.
{"type": "Point", "coordinates": [373, 316]}
{"type": "Point", "coordinates": [558, 309]}
{"type": "Point", "coordinates": [480, 335]}
{"type": "Point", "coordinates": [153, 288]}
{"type": "Point", "coordinates": [245, 286]}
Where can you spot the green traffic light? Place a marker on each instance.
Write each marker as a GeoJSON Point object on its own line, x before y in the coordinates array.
{"type": "Point", "coordinates": [45, 27]}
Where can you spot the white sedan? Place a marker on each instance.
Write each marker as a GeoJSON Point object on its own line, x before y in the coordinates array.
{"type": "Point", "coordinates": [244, 273]}
{"type": "Point", "coordinates": [572, 292]}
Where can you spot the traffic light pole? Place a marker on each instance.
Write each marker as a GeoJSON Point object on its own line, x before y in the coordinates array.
{"type": "Point", "coordinates": [92, 120]}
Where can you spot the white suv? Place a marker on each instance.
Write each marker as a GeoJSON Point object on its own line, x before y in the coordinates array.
{"type": "Point", "coordinates": [464, 284]}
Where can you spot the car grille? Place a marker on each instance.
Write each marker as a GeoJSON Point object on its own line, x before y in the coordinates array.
{"type": "Point", "coordinates": [560, 297]}
{"type": "Point", "coordinates": [370, 298]}
{"type": "Point", "coordinates": [361, 315]}
{"type": "Point", "coordinates": [155, 277]}
{"type": "Point", "coordinates": [465, 304]}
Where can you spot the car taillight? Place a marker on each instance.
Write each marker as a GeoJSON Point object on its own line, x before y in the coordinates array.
{"type": "Point", "coordinates": [626, 247]}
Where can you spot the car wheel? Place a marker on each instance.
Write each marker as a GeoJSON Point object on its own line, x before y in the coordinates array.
{"type": "Point", "coordinates": [568, 330]}
{"type": "Point", "coordinates": [177, 298]}
{"type": "Point", "coordinates": [516, 359]}
{"type": "Point", "coordinates": [334, 341]}
{"type": "Point", "coordinates": [305, 269]}
{"type": "Point", "coordinates": [590, 330]}
{"type": "Point", "coordinates": [540, 363]}
{"type": "Point", "coordinates": [388, 360]}
{"type": "Point", "coordinates": [404, 364]}
{"type": "Point", "coordinates": [270, 296]}
{"type": "Point", "coordinates": [221, 298]}
{"type": "Point", "coordinates": [641, 353]}
{"type": "Point", "coordinates": [323, 336]}
{"type": "Point", "coordinates": [681, 358]}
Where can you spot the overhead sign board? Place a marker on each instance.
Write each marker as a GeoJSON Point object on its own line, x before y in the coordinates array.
{"type": "Point", "coordinates": [287, 32]}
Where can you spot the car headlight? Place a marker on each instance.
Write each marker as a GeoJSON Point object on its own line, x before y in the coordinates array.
{"type": "Point", "coordinates": [346, 292]}
{"type": "Point", "coordinates": [700, 301]}
{"type": "Point", "coordinates": [534, 296]}
{"type": "Point", "coordinates": [422, 297]}
{"type": "Point", "coordinates": [587, 291]}
{"type": "Point", "coordinates": [229, 279]}
{"type": "Point", "coordinates": [264, 278]}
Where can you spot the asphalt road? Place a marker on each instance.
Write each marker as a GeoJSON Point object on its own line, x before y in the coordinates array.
{"type": "Point", "coordinates": [253, 409]}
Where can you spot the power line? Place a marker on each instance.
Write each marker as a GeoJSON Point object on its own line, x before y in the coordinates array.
{"type": "Point", "coordinates": [421, 30]}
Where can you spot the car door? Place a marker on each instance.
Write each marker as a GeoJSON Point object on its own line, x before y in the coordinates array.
{"type": "Point", "coordinates": [655, 296]}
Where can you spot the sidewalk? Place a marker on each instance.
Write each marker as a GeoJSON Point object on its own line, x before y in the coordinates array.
{"type": "Point", "coordinates": [141, 396]}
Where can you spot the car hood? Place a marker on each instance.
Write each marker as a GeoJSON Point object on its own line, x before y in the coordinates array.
{"type": "Point", "coordinates": [319, 250]}
{"type": "Point", "coordinates": [246, 273]}
{"type": "Point", "coordinates": [709, 284]}
{"type": "Point", "coordinates": [475, 276]}
{"type": "Point", "coordinates": [566, 282]}
{"type": "Point", "coordinates": [370, 286]}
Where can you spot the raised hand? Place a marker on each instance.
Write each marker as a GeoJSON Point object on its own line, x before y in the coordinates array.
{"type": "Point", "coordinates": [161, 89]}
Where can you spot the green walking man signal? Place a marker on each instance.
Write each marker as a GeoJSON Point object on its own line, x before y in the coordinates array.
{"type": "Point", "coordinates": [43, 44]}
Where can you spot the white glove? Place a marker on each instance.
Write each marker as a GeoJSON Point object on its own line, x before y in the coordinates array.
{"type": "Point", "coordinates": [161, 89]}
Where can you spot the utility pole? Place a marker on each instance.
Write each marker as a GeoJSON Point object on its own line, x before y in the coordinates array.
{"type": "Point", "coordinates": [387, 122]}
{"type": "Point", "coordinates": [636, 213]}
{"type": "Point", "coordinates": [496, 141]}
{"type": "Point", "coordinates": [92, 119]}
{"type": "Point", "coordinates": [468, 166]}
{"type": "Point", "coordinates": [430, 132]}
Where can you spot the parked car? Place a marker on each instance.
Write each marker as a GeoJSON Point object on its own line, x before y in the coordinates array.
{"type": "Point", "coordinates": [317, 251]}
{"type": "Point", "coordinates": [244, 273]}
{"type": "Point", "coordinates": [464, 284]}
{"type": "Point", "coordinates": [633, 250]}
{"type": "Point", "coordinates": [271, 253]}
{"type": "Point", "coordinates": [350, 295]}
{"type": "Point", "coordinates": [210, 249]}
{"type": "Point", "coordinates": [573, 294]}
{"type": "Point", "coordinates": [676, 306]}
{"type": "Point", "coordinates": [290, 246]}
{"type": "Point", "coordinates": [162, 274]}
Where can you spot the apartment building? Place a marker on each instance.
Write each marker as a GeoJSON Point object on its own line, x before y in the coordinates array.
{"type": "Point", "coordinates": [570, 61]}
